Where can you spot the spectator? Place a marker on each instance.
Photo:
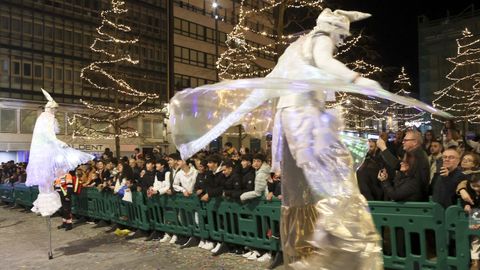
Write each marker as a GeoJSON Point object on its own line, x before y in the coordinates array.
{"type": "Point", "coordinates": [451, 139]}
{"type": "Point", "coordinates": [147, 176]}
{"type": "Point", "coordinates": [107, 154]}
{"type": "Point", "coordinates": [470, 162]}
{"type": "Point", "coordinates": [444, 184]}
{"type": "Point", "coordinates": [428, 137]}
{"type": "Point", "coordinates": [262, 173]}
{"type": "Point", "coordinates": [229, 149]}
{"type": "Point", "coordinates": [232, 182]}
{"type": "Point", "coordinates": [247, 173]}
{"type": "Point", "coordinates": [435, 158]}
{"type": "Point", "coordinates": [412, 143]}
{"type": "Point", "coordinates": [184, 180]}
{"type": "Point", "coordinates": [404, 187]}
{"type": "Point", "coordinates": [274, 187]}
{"type": "Point", "coordinates": [156, 154]}
{"type": "Point", "coordinates": [473, 190]}
{"type": "Point", "coordinates": [137, 154]}
{"type": "Point", "coordinates": [368, 184]}
{"type": "Point", "coordinates": [140, 166]}
{"type": "Point", "coordinates": [167, 188]}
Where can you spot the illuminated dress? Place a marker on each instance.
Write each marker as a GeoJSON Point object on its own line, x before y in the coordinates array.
{"type": "Point", "coordinates": [49, 159]}
{"type": "Point", "coordinates": [325, 222]}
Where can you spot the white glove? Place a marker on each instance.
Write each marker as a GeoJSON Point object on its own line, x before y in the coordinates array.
{"type": "Point", "coordinates": [367, 83]}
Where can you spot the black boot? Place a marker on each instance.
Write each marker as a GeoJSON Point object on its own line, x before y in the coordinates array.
{"type": "Point", "coordinates": [277, 260]}
{"type": "Point", "coordinates": [192, 242]}
{"type": "Point", "coordinates": [62, 226]}
{"type": "Point", "coordinates": [101, 223]}
{"type": "Point", "coordinates": [68, 226]}
{"type": "Point", "coordinates": [153, 236]}
{"type": "Point", "coordinates": [223, 249]}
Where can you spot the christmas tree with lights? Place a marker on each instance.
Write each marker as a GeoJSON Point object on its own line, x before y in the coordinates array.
{"type": "Point", "coordinates": [108, 117]}
{"type": "Point", "coordinates": [462, 97]}
{"type": "Point", "coordinates": [402, 115]}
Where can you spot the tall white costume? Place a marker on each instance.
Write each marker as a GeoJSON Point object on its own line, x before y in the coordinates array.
{"type": "Point", "coordinates": [325, 222]}
{"type": "Point", "coordinates": [49, 159]}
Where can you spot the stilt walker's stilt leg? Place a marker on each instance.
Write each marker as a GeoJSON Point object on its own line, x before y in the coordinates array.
{"type": "Point", "coordinates": [49, 227]}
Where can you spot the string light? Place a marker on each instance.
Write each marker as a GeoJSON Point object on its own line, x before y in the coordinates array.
{"type": "Point", "coordinates": [108, 121]}
{"type": "Point", "coordinates": [239, 60]}
{"type": "Point", "coordinates": [462, 97]}
{"type": "Point", "coordinates": [405, 116]}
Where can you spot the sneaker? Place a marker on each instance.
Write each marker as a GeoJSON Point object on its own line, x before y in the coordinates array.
{"type": "Point", "coordinates": [248, 254]}
{"type": "Point", "coordinates": [165, 238]}
{"type": "Point", "coordinates": [192, 242]}
{"type": "Point", "coordinates": [173, 240]}
{"type": "Point", "coordinates": [62, 226]}
{"type": "Point", "coordinates": [254, 256]}
{"type": "Point", "coordinates": [68, 226]}
{"type": "Point", "coordinates": [208, 245]}
{"type": "Point", "coordinates": [216, 248]}
{"type": "Point", "coordinates": [153, 236]}
{"type": "Point", "coordinates": [224, 248]}
{"type": "Point", "coordinates": [265, 257]}
{"type": "Point", "coordinates": [202, 243]}
{"type": "Point", "coordinates": [277, 260]}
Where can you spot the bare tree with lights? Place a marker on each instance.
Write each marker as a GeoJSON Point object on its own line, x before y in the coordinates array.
{"type": "Point", "coordinates": [462, 97]}
{"type": "Point", "coordinates": [108, 118]}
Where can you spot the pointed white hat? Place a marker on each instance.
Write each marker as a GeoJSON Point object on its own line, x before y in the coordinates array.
{"type": "Point", "coordinates": [338, 21]}
{"type": "Point", "coordinates": [51, 103]}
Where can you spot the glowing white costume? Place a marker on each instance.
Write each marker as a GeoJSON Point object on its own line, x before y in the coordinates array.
{"type": "Point", "coordinates": [325, 221]}
{"type": "Point", "coordinates": [49, 159]}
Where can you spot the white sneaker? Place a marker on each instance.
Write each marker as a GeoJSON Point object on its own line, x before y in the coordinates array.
{"type": "Point", "coordinates": [208, 245]}
{"type": "Point", "coordinates": [254, 255]}
{"type": "Point", "coordinates": [202, 243]}
{"type": "Point", "coordinates": [265, 257]}
{"type": "Point", "coordinates": [173, 240]}
{"type": "Point", "coordinates": [165, 238]}
{"type": "Point", "coordinates": [248, 254]}
{"type": "Point", "coordinates": [216, 248]}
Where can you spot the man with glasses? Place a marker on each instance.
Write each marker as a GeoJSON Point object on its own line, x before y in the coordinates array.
{"type": "Point", "coordinates": [412, 143]}
{"type": "Point", "coordinates": [444, 183]}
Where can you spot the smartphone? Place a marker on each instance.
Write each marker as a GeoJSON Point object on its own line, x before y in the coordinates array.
{"type": "Point", "coordinates": [439, 164]}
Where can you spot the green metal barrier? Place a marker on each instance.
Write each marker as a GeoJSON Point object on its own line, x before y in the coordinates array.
{"type": "Point", "coordinates": [413, 233]}
{"type": "Point", "coordinates": [416, 235]}
{"type": "Point", "coordinates": [252, 224]}
{"type": "Point", "coordinates": [459, 237]}
{"type": "Point", "coordinates": [24, 195]}
{"type": "Point", "coordinates": [6, 193]}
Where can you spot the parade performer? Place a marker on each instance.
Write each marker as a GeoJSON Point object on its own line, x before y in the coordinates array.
{"type": "Point", "coordinates": [49, 159]}
{"type": "Point", "coordinates": [325, 222]}
{"type": "Point", "coordinates": [65, 186]}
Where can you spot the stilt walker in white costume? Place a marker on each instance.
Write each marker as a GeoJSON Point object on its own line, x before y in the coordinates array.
{"type": "Point", "coordinates": [49, 159]}
{"type": "Point", "coordinates": [325, 222]}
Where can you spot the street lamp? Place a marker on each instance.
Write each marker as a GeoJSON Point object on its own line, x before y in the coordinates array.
{"type": "Point", "coordinates": [215, 7]}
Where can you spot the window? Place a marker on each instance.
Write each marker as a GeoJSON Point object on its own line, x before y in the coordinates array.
{"type": "Point", "coordinates": [5, 23]}
{"type": "Point", "coordinates": [16, 25]}
{"type": "Point", "coordinates": [4, 63]}
{"type": "Point", "coordinates": [27, 120]}
{"type": "Point", "coordinates": [38, 30]}
{"type": "Point", "coordinates": [37, 71]}
{"type": "Point", "coordinates": [27, 69]}
{"type": "Point", "coordinates": [157, 129]}
{"type": "Point", "coordinates": [8, 120]}
{"type": "Point", "coordinates": [58, 34]}
{"type": "Point", "coordinates": [48, 32]}
{"type": "Point", "coordinates": [27, 28]}
{"type": "Point", "coordinates": [16, 68]}
{"type": "Point", "coordinates": [76, 76]}
{"type": "Point", "coordinates": [147, 128]}
{"type": "Point", "coordinates": [48, 73]}
{"type": "Point", "coordinates": [58, 74]}
{"type": "Point", "coordinates": [68, 36]}
{"type": "Point", "coordinates": [68, 75]}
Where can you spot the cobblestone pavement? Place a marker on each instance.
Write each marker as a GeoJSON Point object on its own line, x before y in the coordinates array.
{"type": "Point", "coordinates": [24, 245]}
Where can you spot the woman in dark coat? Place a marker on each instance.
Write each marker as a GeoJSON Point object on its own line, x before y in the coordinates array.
{"type": "Point", "coordinates": [404, 186]}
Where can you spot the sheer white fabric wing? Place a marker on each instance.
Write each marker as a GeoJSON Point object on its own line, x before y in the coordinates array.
{"type": "Point", "coordinates": [200, 115]}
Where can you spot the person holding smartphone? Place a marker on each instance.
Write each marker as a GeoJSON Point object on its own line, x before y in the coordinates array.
{"type": "Point", "coordinates": [404, 186]}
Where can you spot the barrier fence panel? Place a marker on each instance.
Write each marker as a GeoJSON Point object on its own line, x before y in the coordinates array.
{"type": "Point", "coordinates": [416, 235]}
{"type": "Point", "coordinates": [254, 224]}
{"type": "Point", "coordinates": [413, 234]}
{"type": "Point", "coordinates": [459, 237]}
{"type": "Point", "coordinates": [6, 193]}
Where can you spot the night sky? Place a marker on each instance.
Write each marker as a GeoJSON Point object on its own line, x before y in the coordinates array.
{"type": "Point", "coordinates": [393, 26]}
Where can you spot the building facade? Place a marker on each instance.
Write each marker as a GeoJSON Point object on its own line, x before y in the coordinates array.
{"type": "Point", "coordinates": [437, 42]}
{"type": "Point", "coordinates": [46, 43]}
